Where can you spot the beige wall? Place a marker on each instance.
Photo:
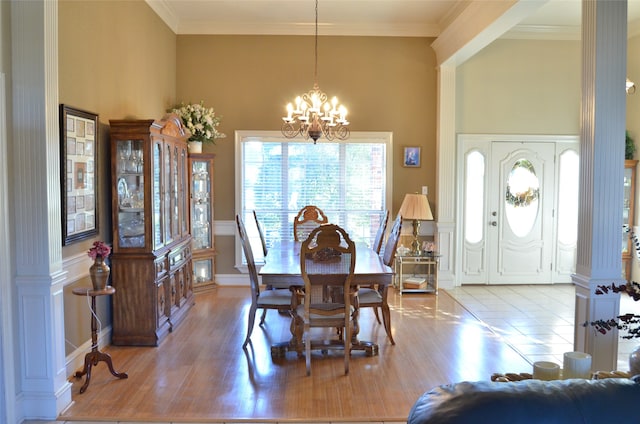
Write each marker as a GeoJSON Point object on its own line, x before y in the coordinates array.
{"type": "Point", "coordinates": [116, 59]}
{"type": "Point", "coordinates": [633, 123]}
{"type": "Point", "coordinates": [388, 84]}
{"type": "Point", "coordinates": [633, 100]}
{"type": "Point", "coordinates": [521, 87]}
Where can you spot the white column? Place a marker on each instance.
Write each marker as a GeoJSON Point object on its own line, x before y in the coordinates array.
{"type": "Point", "coordinates": [42, 380]}
{"type": "Point", "coordinates": [446, 175]}
{"type": "Point", "coordinates": [602, 134]}
{"type": "Point", "coordinates": [7, 359]}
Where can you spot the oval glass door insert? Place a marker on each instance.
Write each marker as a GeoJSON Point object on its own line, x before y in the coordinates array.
{"type": "Point", "coordinates": [521, 197]}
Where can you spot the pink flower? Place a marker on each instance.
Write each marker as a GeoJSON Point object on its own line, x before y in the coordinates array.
{"type": "Point", "coordinates": [99, 248]}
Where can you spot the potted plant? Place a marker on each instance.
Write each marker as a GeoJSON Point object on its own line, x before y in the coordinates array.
{"type": "Point", "coordinates": [629, 146]}
{"type": "Point", "coordinates": [202, 122]}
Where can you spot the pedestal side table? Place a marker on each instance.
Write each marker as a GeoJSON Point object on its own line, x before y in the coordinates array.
{"type": "Point", "coordinates": [92, 358]}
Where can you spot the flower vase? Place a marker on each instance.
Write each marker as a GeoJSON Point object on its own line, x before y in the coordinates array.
{"type": "Point", "coordinates": [634, 361]}
{"type": "Point", "coordinates": [195, 146]}
{"type": "Point", "coordinates": [99, 273]}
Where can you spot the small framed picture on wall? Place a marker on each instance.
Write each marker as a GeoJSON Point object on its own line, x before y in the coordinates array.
{"type": "Point", "coordinates": [411, 157]}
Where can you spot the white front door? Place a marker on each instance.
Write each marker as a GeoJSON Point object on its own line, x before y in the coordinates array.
{"type": "Point", "coordinates": [520, 205]}
{"type": "Point", "coordinates": [517, 209]}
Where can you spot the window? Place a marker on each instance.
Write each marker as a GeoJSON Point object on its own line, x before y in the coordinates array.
{"type": "Point", "coordinates": [521, 198]}
{"type": "Point", "coordinates": [568, 198]}
{"type": "Point", "coordinates": [474, 197]}
{"type": "Point", "coordinates": [349, 180]}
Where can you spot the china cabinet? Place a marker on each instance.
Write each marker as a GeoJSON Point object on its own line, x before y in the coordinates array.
{"type": "Point", "coordinates": [151, 260]}
{"type": "Point", "coordinates": [628, 215]}
{"type": "Point", "coordinates": [202, 242]}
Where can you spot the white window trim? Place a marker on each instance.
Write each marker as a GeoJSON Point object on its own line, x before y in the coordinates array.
{"type": "Point", "coordinates": [241, 136]}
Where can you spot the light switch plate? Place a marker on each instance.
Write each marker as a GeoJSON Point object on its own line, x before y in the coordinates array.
{"type": "Point", "coordinates": [425, 190]}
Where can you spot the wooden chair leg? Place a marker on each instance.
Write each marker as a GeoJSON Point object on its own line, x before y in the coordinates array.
{"type": "Point", "coordinates": [252, 318]}
{"type": "Point", "coordinates": [307, 349]}
{"type": "Point", "coordinates": [347, 347]}
{"type": "Point", "coordinates": [375, 312]}
{"type": "Point", "coordinates": [386, 317]}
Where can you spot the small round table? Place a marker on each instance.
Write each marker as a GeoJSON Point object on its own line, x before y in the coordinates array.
{"type": "Point", "coordinates": [92, 358]}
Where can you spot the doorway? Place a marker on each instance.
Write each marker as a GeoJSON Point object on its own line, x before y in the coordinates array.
{"type": "Point", "coordinates": [517, 218]}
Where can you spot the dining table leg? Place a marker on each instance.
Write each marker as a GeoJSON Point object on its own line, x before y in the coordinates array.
{"type": "Point", "coordinates": [296, 343]}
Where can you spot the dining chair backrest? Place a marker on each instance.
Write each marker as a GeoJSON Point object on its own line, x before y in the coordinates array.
{"type": "Point", "coordinates": [327, 257]}
{"type": "Point", "coordinates": [377, 242]}
{"type": "Point", "coordinates": [261, 233]}
{"type": "Point", "coordinates": [248, 254]}
{"type": "Point", "coordinates": [327, 264]}
{"type": "Point", "coordinates": [392, 242]}
{"type": "Point", "coordinates": [308, 218]}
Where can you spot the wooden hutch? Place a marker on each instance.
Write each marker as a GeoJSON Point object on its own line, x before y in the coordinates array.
{"type": "Point", "coordinates": [151, 265]}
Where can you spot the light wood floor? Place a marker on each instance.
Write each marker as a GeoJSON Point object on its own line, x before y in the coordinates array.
{"type": "Point", "coordinates": [200, 373]}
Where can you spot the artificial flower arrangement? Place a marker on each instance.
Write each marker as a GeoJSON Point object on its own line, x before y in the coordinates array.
{"type": "Point", "coordinates": [629, 323]}
{"type": "Point", "coordinates": [202, 122]}
{"type": "Point", "coordinates": [99, 248]}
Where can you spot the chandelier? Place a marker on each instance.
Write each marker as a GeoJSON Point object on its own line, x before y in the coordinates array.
{"type": "Point", "coordinates": [313, 115]}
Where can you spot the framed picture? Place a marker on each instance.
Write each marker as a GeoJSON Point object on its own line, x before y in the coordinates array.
{"type": "Point", "coordinates": [78, 150]}
{"type": "Point", "coordinates": [411, 157]}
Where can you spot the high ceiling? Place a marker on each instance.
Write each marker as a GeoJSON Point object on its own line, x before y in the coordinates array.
{"type": "Point", "coordinates": [553, 19]}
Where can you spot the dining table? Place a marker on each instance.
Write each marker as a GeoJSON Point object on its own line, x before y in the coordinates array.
{"type": "Point", "coordinates": [282, 270]}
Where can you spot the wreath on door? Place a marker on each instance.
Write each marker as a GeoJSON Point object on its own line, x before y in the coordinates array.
{"type": "Point", "coordinates": [522, 199]}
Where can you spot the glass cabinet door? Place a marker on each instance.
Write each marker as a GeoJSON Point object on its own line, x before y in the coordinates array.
{"type": "Point", "coordinates": [200, 205]}
{"type": "Point", "coordinates": [130, 189]}
{"type": "Point", "coordinates": [202, 220]}
{"type": "Point", "coordinates": [203, 270]}
{"type": "Point", "coordinates": [184, 193]}
{"type": "Point", "coordinates": [156, 172]}
{"type": "Point", "coordinates": [167, 197]}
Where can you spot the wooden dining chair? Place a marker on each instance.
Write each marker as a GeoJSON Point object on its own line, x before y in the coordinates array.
{"type": "Point", "coordinates": [308, 218]}
{"type": "Point", "coordinates": [279, 299]}
{"type": "Point", "coordinates": [376, 297]}
{"type": "Point", "coordinates": [261, 233]}
{"type": "Point", "coordinates": [376, 246]}
{"type": "Point", "coordinates": [382, 228]}
{"type": "Point", "coordinates": [327, 263]}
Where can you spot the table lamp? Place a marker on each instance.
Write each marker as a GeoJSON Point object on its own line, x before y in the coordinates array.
{"type": "Point", "coordinates": [416, 207]}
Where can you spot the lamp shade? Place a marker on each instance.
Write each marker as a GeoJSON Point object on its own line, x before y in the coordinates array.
{"type": "Point", "coordinates": [416, 206]}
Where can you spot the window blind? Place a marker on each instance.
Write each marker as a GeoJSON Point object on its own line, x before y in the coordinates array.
{"type": "Point", "coordinates": [347, 180]}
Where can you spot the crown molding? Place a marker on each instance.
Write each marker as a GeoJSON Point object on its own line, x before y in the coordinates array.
{"type": "Point", "coordinates": [166, 13]}
{"type": "Point", "coordinates": [342, 29]}
{"type": "Point", "coordinates": [544, 32]}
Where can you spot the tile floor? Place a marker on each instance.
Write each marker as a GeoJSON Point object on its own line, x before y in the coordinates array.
{"type": "Point", "coordinates": [536, 320]}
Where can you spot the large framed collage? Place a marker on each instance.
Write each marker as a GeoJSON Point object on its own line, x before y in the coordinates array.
{"type": "Point", "coordinates": [79, 146]}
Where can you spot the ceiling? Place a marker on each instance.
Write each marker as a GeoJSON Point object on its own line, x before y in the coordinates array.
{"type": "Point", "coordinates": [553, 19]}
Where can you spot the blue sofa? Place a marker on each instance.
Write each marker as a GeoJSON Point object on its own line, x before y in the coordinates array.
{"type": "Point", "coordinates": [608, 401]}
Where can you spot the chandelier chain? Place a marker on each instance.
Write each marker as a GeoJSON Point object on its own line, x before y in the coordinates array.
{"type": "Point", "coordinates": [315, 69]}
{"type": "Point", "coordinates": [314, 115]}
